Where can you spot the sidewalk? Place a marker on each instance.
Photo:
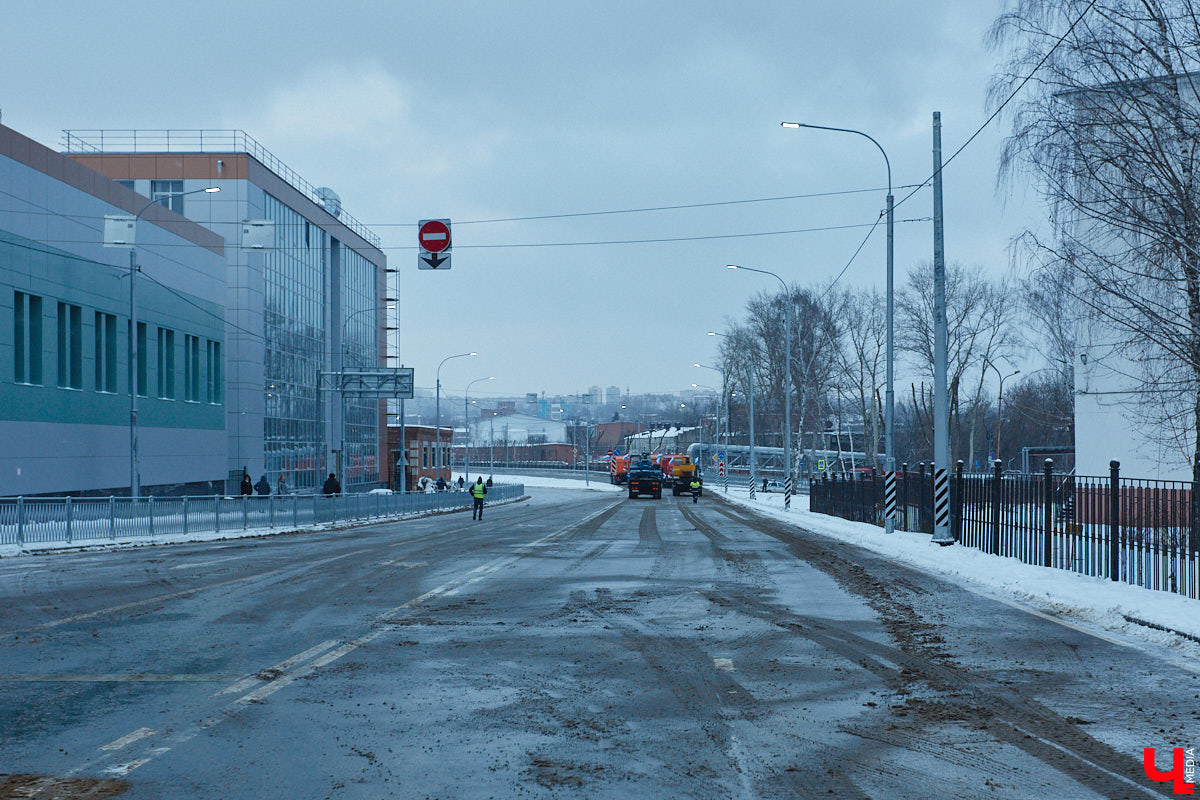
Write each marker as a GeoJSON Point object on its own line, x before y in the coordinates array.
{"type": "Point", "coordinates": [1095, 605]}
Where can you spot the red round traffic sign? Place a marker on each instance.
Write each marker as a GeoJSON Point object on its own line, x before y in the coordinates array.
{"type": "Point", "coordinates": [434, 236]}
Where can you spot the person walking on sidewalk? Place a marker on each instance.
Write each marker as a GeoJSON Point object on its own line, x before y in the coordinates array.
{"type": "Point", "coordinates": [478, 490]}
{"type": "Point", "coordinates": [247, 487]}
{"type": "Point", "coordinates": [263, 487]}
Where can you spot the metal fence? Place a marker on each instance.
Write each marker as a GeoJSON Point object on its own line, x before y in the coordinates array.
{"type": "Point", "coordinates": [1142, 532]}
{"type": "Point", "coordinates": [38, 520]}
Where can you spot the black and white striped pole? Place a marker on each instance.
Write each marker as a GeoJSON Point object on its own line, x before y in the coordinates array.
{"type": "Point", "coordinates": [941, 400]}
{"type": "Point", "coordinates": [787, 493]}
{"type": "Point", "coordinates": [889, 495]}
{"type": "Point", "coordinates": [750, 483]}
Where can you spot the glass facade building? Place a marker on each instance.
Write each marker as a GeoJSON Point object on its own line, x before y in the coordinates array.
{"type": "Point", "coordinates": [308, 302]}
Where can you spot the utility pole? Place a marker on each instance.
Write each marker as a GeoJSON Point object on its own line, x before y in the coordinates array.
{"type": "Point", "coordinates": [941, 402]}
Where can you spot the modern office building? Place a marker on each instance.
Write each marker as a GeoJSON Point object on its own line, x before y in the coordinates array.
{"type": "Point", "coordinates": [311, 301]}
{"type": "Point", "coordinates": [65, 335]}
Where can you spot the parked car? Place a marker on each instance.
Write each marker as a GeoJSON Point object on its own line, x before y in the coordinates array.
{"type": "Point", "coordinates": [772, 486]}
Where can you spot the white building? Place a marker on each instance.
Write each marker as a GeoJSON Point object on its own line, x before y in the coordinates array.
{"type": "Point", "coordinates": [517, 429]}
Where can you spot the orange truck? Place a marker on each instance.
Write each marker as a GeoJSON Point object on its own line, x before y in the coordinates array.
{"type": "Point", "coordinates": [678, 471]}
{"type": "Point", "coordinates": [618, 470]}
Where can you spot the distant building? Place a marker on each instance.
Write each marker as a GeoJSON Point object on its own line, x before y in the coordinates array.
{"type": "Point", "coordinates": [663, 440]}
{"type": "Point", "coordinates": [611, 435]}
{"type": "Point", "coordinates": [517, 429]}
{"type": "Point", "coordinates": [418, 456]}
{"type": "Point", "coordinates": [311, 301]}
{"type": "Point", "coordinates": [65, 336]}
{"type": "Point", "coordinates": [612, 394]}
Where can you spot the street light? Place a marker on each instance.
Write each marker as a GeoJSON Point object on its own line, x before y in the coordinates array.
{"type": "Point", "coordinates": [750, 393]}
{"type": "Point", "coordinates": [135, 487]}
{"type": "Point", "coordinates": [438, 411]}
{"type": "Point", "coordinates": [1000, 399]}
{"type": "Point", "coordinates": [467, 426]}
{"type": "Point", "coordinates": [787, 388]}
{"type": "Point", "coordinates": [890, 396]}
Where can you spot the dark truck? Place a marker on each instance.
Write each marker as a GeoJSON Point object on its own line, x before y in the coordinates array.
{"type": "Point", "coordinates": [645, 478]}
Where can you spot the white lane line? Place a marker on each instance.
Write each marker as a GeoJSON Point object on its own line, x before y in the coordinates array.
{"type": "Point", "coordinates": [467, 578]}
{"type": "Point", "coordinates": [129, 738]}
{"type": "Point", "coordinates": [282, 666]}
{"type": "Point", "coordinates": [205, 563]}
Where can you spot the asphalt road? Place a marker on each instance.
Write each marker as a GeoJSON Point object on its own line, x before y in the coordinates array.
{"type": "Point", "coordinates": [578, 645]}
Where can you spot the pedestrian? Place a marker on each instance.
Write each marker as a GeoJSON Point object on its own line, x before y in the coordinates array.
{"type": "Point", "coordinates": [441, 484]}
{"type": "Point", "coordinates": [332, 486]}
{"type": "Point", "coordinates": [695, 487]}
{"type": "Point", "coordinates": [478, 490]}
{"type": "Point", "coordinates": [460, 483]}
{"type": "Point", "coordinates": [281, 486]}
{"type": "Point", "coordinates": [764, 485]}
{"type": "Point", "coordinates": [247, 484]}
{"type": "Point", "coordinates": [489, 482]}
{"type": "Point", "coordinates": [263, 487]}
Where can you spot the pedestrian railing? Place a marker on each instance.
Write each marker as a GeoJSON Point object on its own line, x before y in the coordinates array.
{"type": "Point", "coordinates": [38, 520]}
{"type": "Point", "coordinates": [1142, 532]}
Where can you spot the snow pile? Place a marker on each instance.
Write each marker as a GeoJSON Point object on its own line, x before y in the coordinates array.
{"type": "Point", "coordinates": [1067, 596]}
{"type": "Point", "coordinates": [596, 483]}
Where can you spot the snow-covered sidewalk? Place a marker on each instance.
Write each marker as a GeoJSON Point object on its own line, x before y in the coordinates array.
{"type": "Point", "coordinates": [1096, 605]}
{"type": "Point", "coordinates": [595, 484]}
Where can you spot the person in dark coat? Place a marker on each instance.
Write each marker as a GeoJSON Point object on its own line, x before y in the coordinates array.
{"type": "Point", "coordinates": [489, 482]}
{"type": "Point", "coordinates": [247, 484]}
{"type": "Point", "coordinates": [262, 487]}
{"type": "Point", "coordinates": [460, 483]}
{"type": "Point", "coordinates": [441, 485]}
{"type": "Point", "coordinates": [332, 486]}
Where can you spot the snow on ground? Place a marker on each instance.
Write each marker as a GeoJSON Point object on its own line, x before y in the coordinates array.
{"type": "Point", "coordinates": [596, 484]}
{"type": "Point", "coordinates": [1091, 604]}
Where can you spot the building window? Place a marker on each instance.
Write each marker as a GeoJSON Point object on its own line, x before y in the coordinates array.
{"type": "Point", "coordinates": [70, 346]}
{"type": "Point", "coordinates": [127, 184]}
{"type": "Point", "coordinates": [215, 372]}
{"type": "Point", "coordinates": [27, 338]}
{"type": "Point", "coordinates": [166, 363]}
{"type": "Point", "coordinates": [106, 352]}
{"type": "Point", "coordinates": [141, 358]}
{"type": "Point", "coordinates": [191, 368]}
{"type": "Point", "coordinates": [169, 194]}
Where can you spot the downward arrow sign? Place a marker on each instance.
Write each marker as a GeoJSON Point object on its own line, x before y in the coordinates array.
{"type": "Point", "coordinates": [434, 260]}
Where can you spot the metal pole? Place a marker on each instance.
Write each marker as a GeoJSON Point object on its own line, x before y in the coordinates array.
{"type": "Point", "coordinates": [466, 436]}
{"type": "Point", "coordinates": [753, 477]}
{"type": "Point", "coordinates": [403, 451]}
{"type": "Point", "coordinates": [437, 429]}
{"type": "Point", "coordinates": [941, 401]}
{"type": "Point", "coordinates": [134, 484]}
{"type": "Point", "coordinates": [787, 402]}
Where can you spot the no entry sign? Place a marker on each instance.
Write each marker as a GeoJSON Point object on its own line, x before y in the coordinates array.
{"type": "Point", "coordinates": [433, 244]}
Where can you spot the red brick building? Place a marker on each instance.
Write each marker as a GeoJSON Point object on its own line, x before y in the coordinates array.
{"type": "Point", "coordinates": [420, 450]}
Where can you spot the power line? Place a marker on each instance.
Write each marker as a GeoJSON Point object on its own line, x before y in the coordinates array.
{"type": "Point", "coordinates": [1007, 100]}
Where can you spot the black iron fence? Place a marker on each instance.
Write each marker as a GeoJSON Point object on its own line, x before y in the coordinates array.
{"type": "Point", "coordinates": [1143, 532]}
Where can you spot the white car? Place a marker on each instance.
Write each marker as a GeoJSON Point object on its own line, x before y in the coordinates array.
{"type": "Point", "coordinates": [771, 486]}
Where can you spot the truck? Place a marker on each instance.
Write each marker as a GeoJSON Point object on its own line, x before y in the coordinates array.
{"type": "Point", "coordinates": [618, 470]}
{"type": "Point", "coordinates": [678, 471]}
{"type": "Point", "coordinates": [645, 478]}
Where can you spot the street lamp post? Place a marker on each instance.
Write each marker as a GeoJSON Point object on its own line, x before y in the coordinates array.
{"type": "Point", "coordinates": [467, 427]}
{"type": "Point", "coordinates": [135, 487]}
{"type": "Point", "coordinates": [1000, 399]}
{"type": "Point", "coordinates": [750, 397]}
{"type": "Point", "coordinates": [437, 405]}
{"type": "Point", "coordinates": [889, 412]}
{"type": "Point", "coordinates": [787, 386]}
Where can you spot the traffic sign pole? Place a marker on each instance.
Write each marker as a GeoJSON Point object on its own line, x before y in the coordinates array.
{"type": "Point", "coordinates": [433, 244]}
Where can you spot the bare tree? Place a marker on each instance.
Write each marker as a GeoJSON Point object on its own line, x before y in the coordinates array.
{"type": "Point", "coordinates": [863, 362]}
{"type": "Point", "coordinates": [980, 330]}
{"type": "Point", "coordinates": [1111, 138]}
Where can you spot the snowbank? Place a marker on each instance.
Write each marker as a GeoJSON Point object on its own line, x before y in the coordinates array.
{"type": "Point", "coordinates": [1085, 602]}
{"type": "Point", "coordinates": [597, 483]}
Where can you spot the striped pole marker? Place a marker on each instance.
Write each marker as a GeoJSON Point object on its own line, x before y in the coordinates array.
{"type": "Point", "coordinates": [750, 484]}
{"type": "Point", "coordinates": [889, 495]}
{"type": "Point", "coordinates": [787, 493]}
{"type": "Point", "coordinates": [941, 506]}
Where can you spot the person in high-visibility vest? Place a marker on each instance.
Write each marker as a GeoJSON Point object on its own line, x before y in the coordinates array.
{"type": "Point", "coordinates": [478, 490]}
{"type": "Point", "coordinates": [695, 487]}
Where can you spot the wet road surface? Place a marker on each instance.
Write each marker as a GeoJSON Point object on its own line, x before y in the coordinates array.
{"type": "Point", "coordinates": [575, 645]}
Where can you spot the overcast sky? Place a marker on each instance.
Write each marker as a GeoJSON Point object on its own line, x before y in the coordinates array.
{"type": "Point", "coordinates": [487, 110]}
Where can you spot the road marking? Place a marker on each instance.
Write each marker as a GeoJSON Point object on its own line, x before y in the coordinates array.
{"type": "Point", "coordinates": [282, 666]}
{"type": "Point", "coordinates": [54, 623]}
{"type": "Point", "coordinates": [118, 677]}
{"type": "Point", "coordinates": [723, 664]}
{"type": "Point", "coordinates": [267, 689]}
{"type": "Point", "coordinates": [205, 563]}
{"type": "Point", "coordinates": [129, 738]}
